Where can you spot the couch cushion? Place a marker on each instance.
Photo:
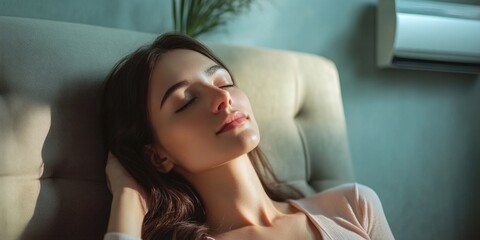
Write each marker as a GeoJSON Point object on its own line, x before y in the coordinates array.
{"type": "Point", "coordinates": [51, 155]}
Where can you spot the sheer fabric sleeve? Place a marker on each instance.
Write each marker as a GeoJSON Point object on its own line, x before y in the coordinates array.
{"type": "Point", "coordinates": [370, 213]}
{"type": "Point", "coordinates": [349, 211]}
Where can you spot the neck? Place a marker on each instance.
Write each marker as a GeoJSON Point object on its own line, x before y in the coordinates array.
{"type": "Point", "coordinates": [233, 196]}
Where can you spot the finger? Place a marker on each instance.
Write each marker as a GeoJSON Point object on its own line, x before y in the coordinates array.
{"type": "Point", "coordinates": [108, 185]}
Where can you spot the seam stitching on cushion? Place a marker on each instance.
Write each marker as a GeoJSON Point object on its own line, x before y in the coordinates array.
{"type": "Point", "coordinates": [297, 124]}
{"type": "Point", "coordinates": [305, 151]}
{"type": "Point", "coordinates": [296, 97]}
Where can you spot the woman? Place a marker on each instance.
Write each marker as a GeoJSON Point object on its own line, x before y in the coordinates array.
{"type": "Point", "coordinates": [185, 159]}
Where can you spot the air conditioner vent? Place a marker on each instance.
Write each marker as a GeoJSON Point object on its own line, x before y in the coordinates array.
{"type": "Point", "coordinates": [432, 65]}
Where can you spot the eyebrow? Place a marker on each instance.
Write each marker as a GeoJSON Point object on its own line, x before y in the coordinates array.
{"type": "Point", "coordinates": [209, 72]}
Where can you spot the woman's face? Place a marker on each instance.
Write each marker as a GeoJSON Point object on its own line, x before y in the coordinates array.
{"type": "Point", "coordinates": [200, 120]}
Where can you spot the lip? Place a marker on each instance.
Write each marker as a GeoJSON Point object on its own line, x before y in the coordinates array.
{"type": "Point", "coordinates": [232, 121]}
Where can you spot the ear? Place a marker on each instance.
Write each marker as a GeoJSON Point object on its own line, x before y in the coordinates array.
{"type": "Point", "coordinates": [161, 162]}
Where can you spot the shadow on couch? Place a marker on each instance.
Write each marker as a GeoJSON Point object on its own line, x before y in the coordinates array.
{"type": "Point", "coordinates": [73, 169]}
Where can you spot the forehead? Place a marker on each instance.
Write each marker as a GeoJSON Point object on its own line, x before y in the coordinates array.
{"type": "Point", "coordinates": [175, 65]}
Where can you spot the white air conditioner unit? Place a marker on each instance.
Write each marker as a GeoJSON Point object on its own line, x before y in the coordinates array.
{"type": "Point", "coordinates": [428, 35]}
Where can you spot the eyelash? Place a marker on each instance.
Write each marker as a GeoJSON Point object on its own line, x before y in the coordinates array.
{"type": "Point", "coordinates": [186, 105]}
{"type": "Point", "coordinates": [193, 99]}
{"type": "Point", "coordinates": [228, 86]}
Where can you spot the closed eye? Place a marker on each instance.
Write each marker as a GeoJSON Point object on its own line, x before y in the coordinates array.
{"type": "Point", "coordinates": [228, 86]}
{"type": "Point", "coordinates": [186, 105]}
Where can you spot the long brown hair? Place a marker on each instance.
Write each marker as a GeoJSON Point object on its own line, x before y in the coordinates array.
{"type": "Point", "coordinates": [176, 211]}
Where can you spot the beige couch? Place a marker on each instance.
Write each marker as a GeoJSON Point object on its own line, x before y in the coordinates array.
{"type": "Point", "coordinates": [51, 156]}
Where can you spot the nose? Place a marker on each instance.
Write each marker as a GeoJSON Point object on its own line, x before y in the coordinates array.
{"type": "Point", "coordinates": [221, 100]}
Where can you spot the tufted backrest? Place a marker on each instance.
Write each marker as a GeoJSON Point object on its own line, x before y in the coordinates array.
{"type": "Point", "coordinates": [52, 180]}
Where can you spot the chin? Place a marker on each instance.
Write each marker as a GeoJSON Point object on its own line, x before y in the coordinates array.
{"type": "Point", "coordinates": [248, 140]}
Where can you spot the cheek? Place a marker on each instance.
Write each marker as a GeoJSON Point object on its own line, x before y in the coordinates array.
{"type": "Point", "coordinates": [240, 100]}
{"type": "Point", "coordinates": [185, 138]}
{"type": "Point", "coordinates": [184, 132]}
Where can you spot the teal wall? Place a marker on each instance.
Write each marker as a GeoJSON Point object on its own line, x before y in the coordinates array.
{"type": "Point", "coordinates": [414, 135]}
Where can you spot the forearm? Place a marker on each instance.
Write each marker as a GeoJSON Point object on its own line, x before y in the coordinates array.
{"type": "Point", "coordinates": [127, 213]}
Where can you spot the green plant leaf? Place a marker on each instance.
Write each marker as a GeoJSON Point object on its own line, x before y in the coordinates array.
{"type": "Point", "coordinates": [196, 17]}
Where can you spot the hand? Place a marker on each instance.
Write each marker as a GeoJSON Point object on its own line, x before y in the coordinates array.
{"type": "Point", "coordinates": [119, 181]}
{"type": "Point", "coordinates": [129, 202]}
